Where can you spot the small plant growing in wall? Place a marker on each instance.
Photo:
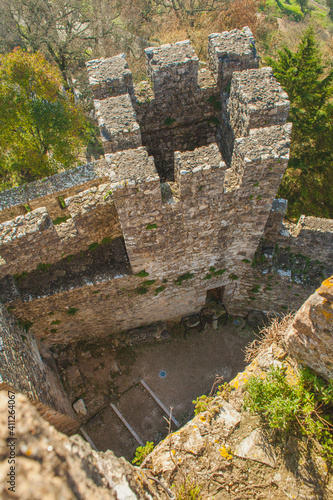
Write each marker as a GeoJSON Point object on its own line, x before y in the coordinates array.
{"type": "Point", "coordinates": [60, 220]}
{"type": "Point", "coordinates": [24, 324]}
{"type": "Point", "coordinates": [43, 267]}
{"type": "Point", "coordinates": [93, 246]}
{"type": "Point", "coordinates": [233, 277]}
{"type": "Point", "coordinates": [215, 103]}
{"type": "Point", "coordinates": [72, 310]}
{"type": "Point", "coordinates": [142, 274]}
{"type": "Point", "coordinates": [183, 277]}
{"type": "Point", "coordinates": [142, 452]}
{"type": "Point", "coordinates": [159, 289]}
{"type": "Point", "coordinates": [151, 226]}
{"type": "Point", "coordinates": [169, 121]}
{"type": "Point", "coordinates": [20, 277]}
{"type": "Point", "coordinates": [61, 202]}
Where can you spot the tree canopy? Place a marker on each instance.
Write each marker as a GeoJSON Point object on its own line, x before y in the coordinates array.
{"type": "Point", "coordinates": [41, 129]}
{"type": "Point", "coordinates": [309, 178]}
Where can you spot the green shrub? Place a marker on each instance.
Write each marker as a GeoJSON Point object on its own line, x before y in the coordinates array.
{"type": "Point", "coordinates": [141, 452]}
{"type": "Point", "coordinates": [305, 406]}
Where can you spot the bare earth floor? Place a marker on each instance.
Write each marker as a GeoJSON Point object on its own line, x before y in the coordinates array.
{"type": "Point", "coordinates": [190, 365]}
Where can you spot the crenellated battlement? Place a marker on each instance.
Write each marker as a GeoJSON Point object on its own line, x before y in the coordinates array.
{"type": "Point", "coordinates": [177, 207]}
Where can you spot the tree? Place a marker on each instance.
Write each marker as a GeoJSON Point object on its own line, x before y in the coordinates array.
{"type": "Point", "coordinates": [187, 11]}
{"type": "Point", "coordinates": [66, 31]}
{"type": "Point", "coordinates": [330, 6]}
{"type": "Point", "coordinates": [41, 130]}
{"type": "Point", "coordinates": [308, 180]}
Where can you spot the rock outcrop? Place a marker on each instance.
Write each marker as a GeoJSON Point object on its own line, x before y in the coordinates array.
{"type": "Point", "coordinates": [226, 453]}
{"type": "Point", "coordinates": [48, 465]}
{"type": "Point", "coordinates": [310, 337]}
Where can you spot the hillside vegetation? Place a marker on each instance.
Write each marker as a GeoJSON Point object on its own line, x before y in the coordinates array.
{"type": "Point", "coordinates": [293, 36]}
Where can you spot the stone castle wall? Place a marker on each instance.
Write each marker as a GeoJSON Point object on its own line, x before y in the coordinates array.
{"type": "Point", "coordinates": [178, 206]}
{"type": "Point", "coordinates": [23, 369]}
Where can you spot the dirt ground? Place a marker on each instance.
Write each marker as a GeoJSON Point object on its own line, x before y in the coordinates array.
{"type": "Point", "coordinates": [101, 374]}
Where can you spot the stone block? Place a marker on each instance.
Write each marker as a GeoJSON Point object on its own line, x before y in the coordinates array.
{"type": "Point", "coordinates": [256, 100]}
{"type": "Point", "coordinates": [117, 123]}
{"type": "Point", "coordinates": [26, 241]}
{"type": "Point", "coordinates": [172, 68]}
{"type": "Point", "coordinates": [264, 153]}
{"type": "Point", "coordinates": [201, 161]}
{"type": "Point", "coordinates": [109, 77]}
{"type": "Point", "coordinates": [231, 51]}
{"type": "Point", "coordinates": [131, 165]}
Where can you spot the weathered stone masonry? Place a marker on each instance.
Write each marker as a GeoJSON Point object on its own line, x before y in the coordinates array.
{"type": "Point", "coordinates": [182, 203]}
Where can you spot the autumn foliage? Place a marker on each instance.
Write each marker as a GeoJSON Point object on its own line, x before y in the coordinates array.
{"type": "Point", "coordinates": [41, 129]}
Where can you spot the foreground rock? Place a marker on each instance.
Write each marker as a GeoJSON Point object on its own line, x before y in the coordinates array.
{"type": "Point", "coordinates": [51, 466]}
{"type": "Point", "coordinates": [310, 337]}
{"type": "Point", "coordinates": [228, 454]}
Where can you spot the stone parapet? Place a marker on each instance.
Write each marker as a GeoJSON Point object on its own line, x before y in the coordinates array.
{"type": "Point", "coordinates": [33, 241]}
{"type": "Point", "coordinates": [25, 240]}
{"type": "Point", "coordinates": [266, 148]}
{"type": "Point", "coordinates": [50, 191]}
{"type": "Point", "coordinates": [109, 77]}
{"type": "Point", "coordinates": [117, 122]}
{"type": "Point", "coordinates": [231, 51]}
{"type": "Point", "coordinates": [172, 68]}
{"type": "Point", "coordinates": [256, 100]}
{"type": "Point", "coordinates": [193, 165]}
{"type": "Point", "coordinates": [132, 166]}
